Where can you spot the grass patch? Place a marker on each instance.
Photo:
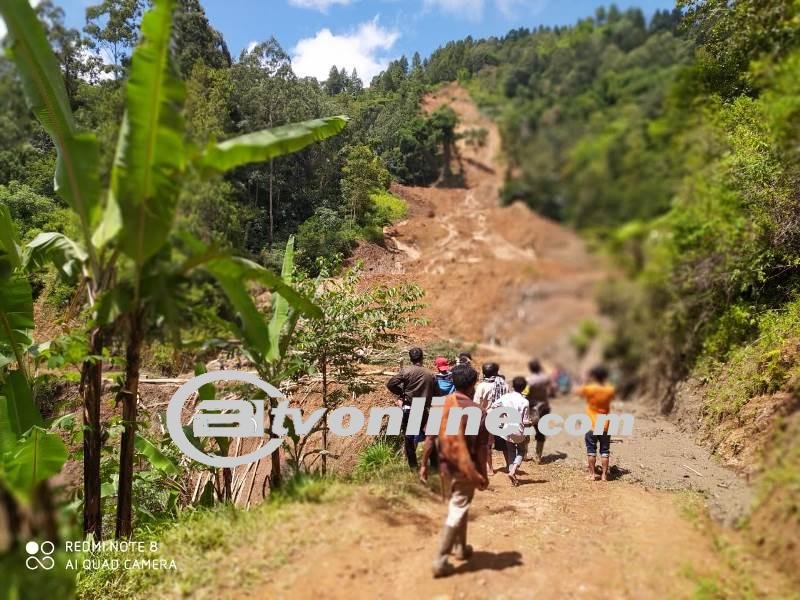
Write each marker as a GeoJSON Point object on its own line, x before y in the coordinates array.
{"type": "Point", "coordinates": [774, 523]}
{"type": "Point", "coordinates": [388, 208]}
{"type": "Point", "coordinates": [375, 459]}
{"type": "Point", "coordinates": [708, 588]}
{"type": "Point", "coordinates": [769, 364]}
{"type": "Point", "coordinates": [250, 543]}
{"type": "Point", "coordinates": [307, 489]}
{"type": "Point", "coordinates": [383, 467]}
{"type": "Point", "coordinates": [736, 576]}
{"type": "Point", "coordinates": [692, 506]}
{"type": "Point", "coordinates": [199, 538]}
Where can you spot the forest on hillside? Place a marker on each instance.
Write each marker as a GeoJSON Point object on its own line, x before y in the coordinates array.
{"type": "Point", "coordinates": [609, 125]}
{"type": "Point", "coordinates": [254, 209]}
{"type": "Point", "coordinates": [670, 142]}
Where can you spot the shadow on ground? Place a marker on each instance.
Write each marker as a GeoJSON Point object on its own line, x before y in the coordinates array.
{"type": "Point", "coordinates": [553, 457]}
{"type": "Point", "coordinates": [493, 561]}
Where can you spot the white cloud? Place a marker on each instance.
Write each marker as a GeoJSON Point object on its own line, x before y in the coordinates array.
{"type": "Point", "coordinates": [473, 9]}
{"type": "Point", "coordinates": [362, 49]}
{"type": "Point", "coordinates": [320, 5]}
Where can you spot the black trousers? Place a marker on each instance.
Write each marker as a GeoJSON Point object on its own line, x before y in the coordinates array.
{"type": "Point", "coordinates": [410, 444]}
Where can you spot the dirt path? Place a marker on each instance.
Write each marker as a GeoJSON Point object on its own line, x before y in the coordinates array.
{"type": "Point", "coordinates": [555, 536]}
{"type": "Point", "coordinates": [517, 285]}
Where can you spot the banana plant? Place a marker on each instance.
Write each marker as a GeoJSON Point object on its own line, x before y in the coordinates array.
{"type": "Point", "coordinates": [29, 454]}
{"type": "Point", "coordinates": [265, 339]}
{"type": "Point", "coordinates": [125, 261]}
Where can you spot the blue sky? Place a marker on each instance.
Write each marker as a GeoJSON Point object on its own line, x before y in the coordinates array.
{"type": "Point", "coordinates": [366, 34]}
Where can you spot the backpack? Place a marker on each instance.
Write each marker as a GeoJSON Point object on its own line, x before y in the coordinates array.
{"type": "Point", "coordinates": [445, 383]}
{"type": "Point", "coordinates": [499, 388]}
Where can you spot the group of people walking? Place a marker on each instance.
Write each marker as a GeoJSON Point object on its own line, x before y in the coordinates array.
{"type": "Point", "coordinates": [465, 461]}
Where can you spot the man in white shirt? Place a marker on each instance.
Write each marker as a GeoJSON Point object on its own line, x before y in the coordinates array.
{"type": "Point", "coordinates": [486, 393]}
{"type": "Point", "coordinates": [514, 433]}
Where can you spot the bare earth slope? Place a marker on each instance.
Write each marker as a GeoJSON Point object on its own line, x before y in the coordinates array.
{"type": "Point", "coordinates": [502, 276]}
{"type": "Point", "coordinates": [517, 285]}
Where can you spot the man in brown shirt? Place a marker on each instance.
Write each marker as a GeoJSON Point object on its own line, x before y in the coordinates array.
{"type": "Point", "coordinates": [413, 381]}
{"type": "Point", "coordinates": [462, 460]}
{"type": "Point", "coordinates": [540, 390]}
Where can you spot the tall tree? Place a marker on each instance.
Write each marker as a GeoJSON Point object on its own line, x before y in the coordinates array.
{"type": "Point", "coordinates": [357, 324]}
{"type": "Point", "coordinates": [363, 174]}
{"type": "Point", "coordinates": [196, 40]}
{"type": "Point", "coordinates": [112, 27]}
{"type": "Point", "coordinates": [265, 86]}
{"type": "Point", "coordinates": [68, 46]}
{"type": "Point", "coordinates": [337, 82]}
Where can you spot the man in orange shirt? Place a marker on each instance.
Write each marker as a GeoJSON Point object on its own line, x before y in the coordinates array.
{"type": "Point", "coordinates": [598, 395]}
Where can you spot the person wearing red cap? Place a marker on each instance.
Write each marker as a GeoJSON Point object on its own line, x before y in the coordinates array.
{"type": "Point", "coordinates": [444, 378]}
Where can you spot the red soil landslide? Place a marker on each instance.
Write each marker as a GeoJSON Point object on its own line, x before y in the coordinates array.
{"type": "Point", "coordinates": [501, 276]}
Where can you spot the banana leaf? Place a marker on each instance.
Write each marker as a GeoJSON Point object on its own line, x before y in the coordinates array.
{"type": "Point", "coordinates": [150, 158]}
{"type": "Point", "coordinates": [16, 314]}
{"type": "Point", "coordinates": [266, 144]}
{"type": "Point", "coordinates": [57, 249]}
{"type": "Point", "coordinates": [22, 413]}
{"type": "Point", "coordinates": [76, 178]}
{"type": "Point", "coordinates": [155, 456]}
{"type": "Point", "coordinates": [8, 238]}
{"type": "Point", "coordinates": [37, 457]}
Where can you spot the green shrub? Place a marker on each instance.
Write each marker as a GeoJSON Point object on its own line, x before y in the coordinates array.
{"type": "Point", "coordinates": [769, 364]}
{"type": "Point", "coordinates": [371, 233]}
{"type": "Point", "coordinates": [379, 456]}
{"type": "Point", "coordinates": [33, 213]}
{"type": "Point", "coordinates": [582, 339]}
{"type": "Point", "coordinates": [325, 235]}
{"type": "Point", "coordinates": [387, 208]}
